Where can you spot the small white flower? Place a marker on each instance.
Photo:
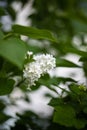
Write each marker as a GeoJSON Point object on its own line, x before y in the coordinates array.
{"type": "Point", "coordinates": [29, 54]}
{"type": "Point", "coordinates": [46, 62]}
{"type": "Point", "coordinates": [32, 73]}
{"type": "Point", "coordinates": [42, 64]}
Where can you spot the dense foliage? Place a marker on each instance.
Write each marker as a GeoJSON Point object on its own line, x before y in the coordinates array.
{"type": "Point", "coordinates": [58, 27]}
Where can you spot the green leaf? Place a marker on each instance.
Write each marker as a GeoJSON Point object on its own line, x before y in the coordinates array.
{"type": "Point", "coordinates": [6, 86]}
{"type": "Point", "coordinates": [49, 81]}
{"type": "Point", "coordinates": [12, 12]}
{"type": "Point", "coordinates": [80, 123]}
{"type": "Point", "coordinates": [2, 106]}
{"type": "Point", "coordinates": [2, 11]}
{"type": "Point", "coordinates": [1, 35]}
{"type": "Point", "coordinates": [14, 50]}
{"type": "Point", "coordinates": [55, 102]}
{"type": "Point", "coordinates": [85, 109]}
{"type": "Point", "coordinates": [33, 32]}
{"type": "Point", "coordinates": [3, 117]}
{"type": "Point", "coordinates": [65, 63]}
{"type": "Point", "coordinates": [64, 115]}
{"type": "Point", "coordinates": [75, 51]}
{"type": "Point", "coordinates": [79, 26]}
{"type": "Point", "coordinates": [83, 59]}
{"type": "Point", "coordinates": [74, 88]}
{"type": "Point", "coordinates": [66, 79]}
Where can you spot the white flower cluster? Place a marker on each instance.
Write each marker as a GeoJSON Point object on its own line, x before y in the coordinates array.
{"type": "Point", "coordinates": [42, 64]}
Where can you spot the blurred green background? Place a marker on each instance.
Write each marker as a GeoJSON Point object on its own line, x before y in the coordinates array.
{"type": "Point", "coordinates": [67, 19]}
